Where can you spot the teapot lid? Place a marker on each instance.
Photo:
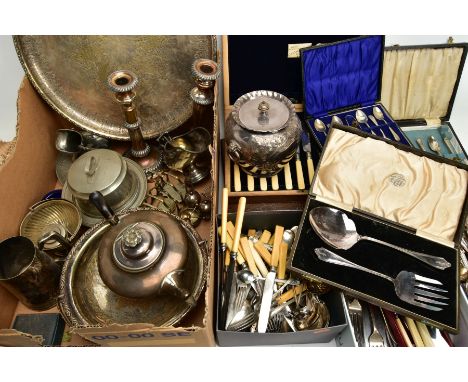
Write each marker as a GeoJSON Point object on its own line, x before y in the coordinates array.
{"type": "Point", "coordinates": [263, 111]}
{"type": "Point", "coordinates": [138, 246]}
{"type": "Point", "coordinates": [97, 170]}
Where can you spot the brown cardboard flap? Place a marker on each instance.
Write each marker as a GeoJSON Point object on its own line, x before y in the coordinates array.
{"type": "Point", "coordinates": [139, 335]}
{"type": "Point", "coordinates": [11, 337]}
{"type": "Point", "coordinates": [25, 181]}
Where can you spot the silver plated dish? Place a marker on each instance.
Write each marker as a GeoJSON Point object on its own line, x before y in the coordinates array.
{"type": "Point", "coordinates": [70, 73]}
{"type": "Point", "coordinates": [85, 299]}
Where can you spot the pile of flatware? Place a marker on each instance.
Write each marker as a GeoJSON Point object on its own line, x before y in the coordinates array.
{"type": "Point", "coordinates": [377, 327]}
{"type": "Point", "coordinates": [258, 294]}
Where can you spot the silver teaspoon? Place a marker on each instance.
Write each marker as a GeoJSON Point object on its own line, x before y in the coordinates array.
{"type": "Point", "coordinates": [434, 145]}
{"type": "Point", "coordinates": [381, 117]}
{"type": "Point", "coordinates": [361, 117]}
{"type": "Point", "coordinates": [337, 119]}
{"type": "Point", "coordinates": [320, 126]}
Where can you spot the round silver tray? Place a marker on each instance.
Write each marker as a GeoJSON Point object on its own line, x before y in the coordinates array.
{"type": "Point", "coordinates": [134, 200]}
{"type": "Point", "coordinates": [70, 73]}
{"type": "Point", "coordinates": [85, 300]}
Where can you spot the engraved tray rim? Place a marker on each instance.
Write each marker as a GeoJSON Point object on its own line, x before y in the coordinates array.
{"type": "Point", "coordinates": [115, 134]}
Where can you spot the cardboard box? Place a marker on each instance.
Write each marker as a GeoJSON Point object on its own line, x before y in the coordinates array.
{"type": "Point", "coordinates": [394, 229]}
{"type": "Point", "coordinates": [27, 172]}
{"type": "Point", "coordinates": [334, 300]}
{"type": "Point", "coordinates": [419, 86]}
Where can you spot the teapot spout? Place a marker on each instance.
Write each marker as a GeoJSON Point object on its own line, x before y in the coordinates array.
{"type": "Point", "coordinates": [173, 285]}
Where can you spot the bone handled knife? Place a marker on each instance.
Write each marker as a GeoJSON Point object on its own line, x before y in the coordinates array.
{"type": "Point", "coordinates": [287, 176]}
{"type": "Point", "coordinates": [299, 172]}
{"type": "Point", "coordinates": [267, 295]}
{"type": "Point", "coordinates": [274, 183]}
{"type": "Point", "coordinates": [307, 149]}
{"type": "Point", "coordinates": [237, 178]}
{"type": "Point", "coordinates": [250, 183]}
{"type": "Point", "coordinates": [232, 262]}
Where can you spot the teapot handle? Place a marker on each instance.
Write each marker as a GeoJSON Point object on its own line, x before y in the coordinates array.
{"type": "Point", "coordinates": [97, 199]}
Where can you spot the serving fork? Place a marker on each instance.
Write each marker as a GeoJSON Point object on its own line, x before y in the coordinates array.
{"type": "Point", "coordinates": [355, 313]}
{"type": "Point", "coordinates": [375, 339]}
{"type": "Point", "coordinates": [409, 287]}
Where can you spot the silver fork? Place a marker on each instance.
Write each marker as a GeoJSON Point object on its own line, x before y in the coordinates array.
{"type": "Point", "coordinates": [375, 339]}
{"type": "Point", "coordinates": [242, 293]}
{"type": "Point", "coordinates": [409, 287]}
{"type": "Point", "coordinates": [355, 312]}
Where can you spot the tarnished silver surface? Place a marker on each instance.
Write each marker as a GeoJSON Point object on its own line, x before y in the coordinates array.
{"type": "Point", "coordinates": [262, 132]}
{"type": "Point", "coordinates": [70, 73]}
{"type": "Point", "coordinates": [56, 215]}
{"type": "Point", "coordinates": [131, 197]}
{"type": "Point", "coordinates": [85, 300]}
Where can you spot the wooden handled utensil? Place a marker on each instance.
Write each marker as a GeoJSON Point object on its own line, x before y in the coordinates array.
{"type": "Point", "coordinates": [282, 260]}
{"type": "Point", "coordinates": [258, 260]}
{"type": "Point", "coordinates": [267, 295]}
{"type": "Point", "coordinates": [224, 208]}
{"type": "Point", "coordinates": [230, 280]}
{"type": "Point", "coordinates": [244, 244]}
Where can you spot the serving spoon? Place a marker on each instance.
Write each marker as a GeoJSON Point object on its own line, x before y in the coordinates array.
{"type": "Point", "coordinates": [339, 231]}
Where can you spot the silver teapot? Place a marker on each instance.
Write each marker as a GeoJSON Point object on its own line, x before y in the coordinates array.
{"type": "Point", "coordinates": [262, 132]}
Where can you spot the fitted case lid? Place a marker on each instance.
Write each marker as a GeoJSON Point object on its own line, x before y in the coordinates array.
{"type": "Point", "coordinates": [420, 82]}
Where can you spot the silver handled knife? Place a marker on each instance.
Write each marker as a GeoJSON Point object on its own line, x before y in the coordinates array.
{"type": "Point", "coordinates": [267, 294]}
{"type": "Point", "coordinates": [307, 149]}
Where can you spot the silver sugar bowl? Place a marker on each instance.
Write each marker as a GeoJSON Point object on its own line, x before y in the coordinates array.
{"type": "Point", "coordinates": [262, 132]}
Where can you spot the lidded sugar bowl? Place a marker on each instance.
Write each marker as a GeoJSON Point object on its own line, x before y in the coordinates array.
{"type": "Point", "coordinates": [262, 132]}
{"type": "Point", "coordinates": [121, 181]}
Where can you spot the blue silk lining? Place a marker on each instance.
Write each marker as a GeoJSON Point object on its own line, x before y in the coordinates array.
{"type": "Point", "coordinates": [342, 75]}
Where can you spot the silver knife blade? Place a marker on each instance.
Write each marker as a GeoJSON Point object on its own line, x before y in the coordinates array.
{"type": "Point", "coordinates": [265, 306]}
{"type": "Point", "coordinates": [231, 301]}
{"type": "Point", "coordinates": [305, 142]}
